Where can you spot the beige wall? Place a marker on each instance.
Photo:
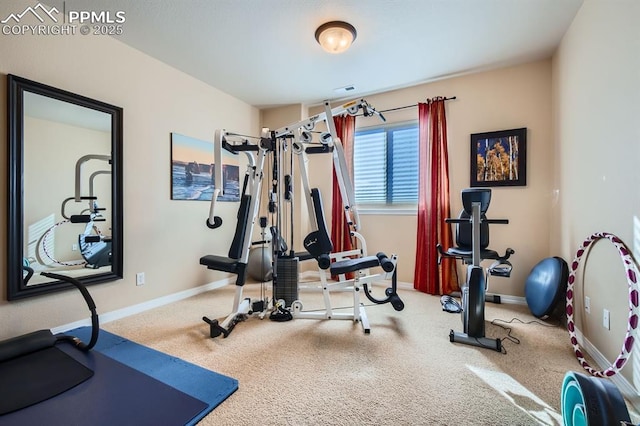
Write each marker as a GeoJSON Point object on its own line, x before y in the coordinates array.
{"type": "Point", "coordinates": [596, 90]}
{"type": "Point", "coordinates": [162, 238]}
{"type": "Point", "coordinates": [495, 100]}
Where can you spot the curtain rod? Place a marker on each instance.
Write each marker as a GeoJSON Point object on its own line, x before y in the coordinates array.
{"type": "Point", "coordinates": [412, 106]}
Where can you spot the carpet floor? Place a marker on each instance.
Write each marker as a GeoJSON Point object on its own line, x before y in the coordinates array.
{"type": "Point", "coordinates": [405, 372]}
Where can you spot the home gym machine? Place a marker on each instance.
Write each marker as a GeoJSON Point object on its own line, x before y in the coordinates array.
{"type": "Point", "coordinates": [318, 243]}
{"type": "Point", "coordinates": [472, 237]}
{"type": "Point", "coordinates": [94, 245]}
{"type": "Point", "coordinates": [297, 140]}
{"type": "Point", "coordinates": [238, 255]}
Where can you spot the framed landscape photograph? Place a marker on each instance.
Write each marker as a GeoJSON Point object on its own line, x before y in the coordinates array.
{"type": "Point", "coordinates": [193, 171]}
{"type": "Point", "coordinates": [499, 158]}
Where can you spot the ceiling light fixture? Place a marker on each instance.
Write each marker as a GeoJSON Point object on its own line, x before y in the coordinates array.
{"type": "Point", "coordinates": [335, 36]}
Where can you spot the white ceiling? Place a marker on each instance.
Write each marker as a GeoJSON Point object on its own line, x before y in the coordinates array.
{"type": "Point", "coordinates": [264, 51]}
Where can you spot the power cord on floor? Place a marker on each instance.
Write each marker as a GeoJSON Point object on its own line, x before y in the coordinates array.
{"type": "Point", "coordinates": [364, 305]}
{"type": "Point", "coordinates": [512, 338]}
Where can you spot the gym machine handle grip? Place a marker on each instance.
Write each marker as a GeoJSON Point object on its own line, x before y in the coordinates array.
{"type": "Point", "coordinates": [287, 188]}
{"type": "Point", "coordinates": [80, 218]}
{"type": "Point", "coordinates": [386, 264]}
{"type": "Point", "coordinates": [217, 222]}
{"type": "Point", "coordinates": [468, 220]}
{"type": "Point", "coordinates": [498, 221]}
{"type": "Point", "coordinates": [450, 220]}
{"type": "Point", "coordinates": [234, 149]}
{"type": "Point", "coordinates": [324, 149]}
{"type": "Point", "coordinates": [64, 205]}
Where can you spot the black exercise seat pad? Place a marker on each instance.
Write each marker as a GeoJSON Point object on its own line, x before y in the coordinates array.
{"type": "Point", "coordinates": [484, 253]}
{"type": "Point", "coordinates": [38, 376]}
{"type": "Point", "coordinates": [352, 265]}
{"type": "Point", "coordinates": [303, 255]}
{"type": "Point", "coordinates": [220, 263]}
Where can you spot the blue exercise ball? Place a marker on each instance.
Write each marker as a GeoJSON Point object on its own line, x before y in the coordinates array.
{"type": "Point", "coordinates": [546, 287]}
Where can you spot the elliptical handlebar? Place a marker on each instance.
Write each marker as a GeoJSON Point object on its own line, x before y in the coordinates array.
{"type": "Point", "coordinates": [497, 221]}
{"type": "Point", "coordinates": [507, 253]}
{"type": "Point", "coordinates": [468, 220]}
{"type": "Point", "coordinates": [476, 247]}
{"type": "Point", "coordinates": [442, 254]}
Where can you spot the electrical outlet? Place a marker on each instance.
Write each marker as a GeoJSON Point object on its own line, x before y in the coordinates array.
{"type": "Point", "coordinates": [605, 319]}
{"type": "Point", "coordinates": [74, 247]}
{"type": "Point", "coordinates": [587, 304]}
{"type": "Point", "coordinates": [140, 278]}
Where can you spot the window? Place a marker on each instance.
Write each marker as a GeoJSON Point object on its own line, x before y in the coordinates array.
{"type": "Point", "coordinates": [385, 165]}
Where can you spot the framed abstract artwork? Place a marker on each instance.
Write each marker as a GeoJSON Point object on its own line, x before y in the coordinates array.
{"type": "Point", "coordinates": [499, 158]}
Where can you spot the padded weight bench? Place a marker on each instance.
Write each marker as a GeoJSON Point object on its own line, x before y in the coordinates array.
{"type": "Point", "coordinates": [318, 244]}
{"type": "Point", "coordinates": [354, 265]}
{"type": "Point", "coordinates": [234, 264]}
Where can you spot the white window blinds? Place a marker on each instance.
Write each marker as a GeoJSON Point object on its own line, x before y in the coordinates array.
{"type": "Point", "coordinates": [385, 164]}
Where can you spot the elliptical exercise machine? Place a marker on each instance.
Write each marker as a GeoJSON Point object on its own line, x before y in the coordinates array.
{"type": "Point", "coordinates": [472, 237]}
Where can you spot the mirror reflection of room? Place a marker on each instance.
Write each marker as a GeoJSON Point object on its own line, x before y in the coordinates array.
{"type": "Point", "coordinates": [67, 188]}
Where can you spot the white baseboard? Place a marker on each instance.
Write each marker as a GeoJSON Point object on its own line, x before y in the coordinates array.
{"type": "Point", "coordinates": [513, 300]}
{"type": "Point", "coordinates": [626, 388]}
{"type": "Point", "coordinates": [145, 306]}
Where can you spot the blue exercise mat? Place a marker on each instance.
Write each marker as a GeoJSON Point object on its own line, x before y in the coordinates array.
{"type": "Point", "coordinates": [132, 385]}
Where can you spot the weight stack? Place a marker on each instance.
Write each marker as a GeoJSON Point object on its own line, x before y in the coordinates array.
{"type": "Point", "coordinates": [285, 286]}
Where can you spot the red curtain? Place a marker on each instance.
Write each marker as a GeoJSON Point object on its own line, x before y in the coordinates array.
{"type": "Point", "coordinates": [433, 203]}
{"type": "Point", "coordinates": [340, 237]}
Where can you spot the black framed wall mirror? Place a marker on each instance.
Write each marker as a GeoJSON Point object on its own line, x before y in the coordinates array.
{"type": "Point", "coordinates": [65, 188]}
